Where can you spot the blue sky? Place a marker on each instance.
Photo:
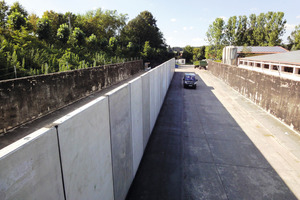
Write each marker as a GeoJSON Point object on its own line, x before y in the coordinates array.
{"type": "Point", "coordinates": [181, 22]}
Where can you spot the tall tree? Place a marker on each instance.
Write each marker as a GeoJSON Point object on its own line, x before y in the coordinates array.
{"type": "Point", "coordinates": [16, 20]}
{"type": "Point", "coordinates": [274, 28]}
{"type": "Point", "coordinates": [3, 13]}
{"type": "Point", "coordinates": [215, 36]}
{"type": "Point", "coordinates": [242, 31]}
{"type": "Point", "coordinates": [63, 33]}
{"type": "Point", "coordinates": [141, 29]}
{"type": "Point", "coordinates": [231, 31]}
{"type": "Point", "coordinates": [259, 32]}
{"type": "Point", "coordinates": [17, 7]}
{"type": "Point", "coordinates": [294, 39]}
{"type": "Point", "coordinates": [250, 31]}
{"type": "Point", "coordinates": [43, 29]}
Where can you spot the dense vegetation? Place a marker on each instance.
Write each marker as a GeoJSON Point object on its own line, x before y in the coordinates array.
{"type": "Point", "coordinates": [57, 42]}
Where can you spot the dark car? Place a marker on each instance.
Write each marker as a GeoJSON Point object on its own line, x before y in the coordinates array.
{"type": "Point", "coordinates": [189, 80]}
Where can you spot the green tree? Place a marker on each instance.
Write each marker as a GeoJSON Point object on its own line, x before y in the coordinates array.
{"type": "Point", "coordinates": [215, 37]}
{"type": "Point", "coordinates": [148, 52]}
{"type": "Point", "coordinates": [141, 29]}
{"type": "Point", "coordinates": [294, 39]}
{"type": "Point", "coordinates": [55, 19]}
{"type": "Point", "coordinates": [33, 21]}
{"type": "Point", "coordinates": [241, 33]}
{"type": "Point", "coordinates": [259, 32]}
{"type": "Point", "coordinates": [16, 20]}
{"type": "Point", "coordinates": [188, 53]}
{"type": "Point", "coordinates": [63, 33]}
{"type": "Point", "coordinates": [17, 7]}
{"type": "Point", "coordinates": [78, 36]}
{"type": "Point", "coordinates": [3, 13]}
{"type": "Point", "coordinates": [199, 53]}
{"type": "Point", "coordinates": [43, 29]}
{"type": "Point", "coordinates": [230, 31]}
{"type": "Point", "coordinates": [274, 28]}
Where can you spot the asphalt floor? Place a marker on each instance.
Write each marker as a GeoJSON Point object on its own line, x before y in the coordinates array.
{"type": "Point", "coordinates": [211, 143]}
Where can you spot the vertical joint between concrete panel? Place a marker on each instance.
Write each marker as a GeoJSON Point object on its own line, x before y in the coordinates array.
{"type": "Point", "coordinates": [130, 124]}
{"type": "Point", "coordinates": [60, 162]}
{"type": "Point", "coordinates": [111, 155]}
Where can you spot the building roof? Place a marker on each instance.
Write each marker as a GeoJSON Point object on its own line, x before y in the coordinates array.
{"type": "Point", "coordinates": [292, 57]}
{"type": "Point", "coordinates": [261, 49]}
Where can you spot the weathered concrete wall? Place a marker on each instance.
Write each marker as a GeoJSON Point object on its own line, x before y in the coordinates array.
{"type": "Point", "coordinates": [30, 168]}
{"type": "Point", "coordinates": [84, 141]}
{"type": "Point", "coordinates": [278, 96]}
{"type": "Point", "coordinates": [92, 152]}
{"type": "Point", "coordinates": [27, 98]}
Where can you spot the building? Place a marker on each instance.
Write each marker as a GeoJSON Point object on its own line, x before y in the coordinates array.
{"type": "Point", "coordinates": [244, 51]}
{"type": "Point", "coordinates": [286, 65]}
{"type": "Point", "coordinates": [180, 61]}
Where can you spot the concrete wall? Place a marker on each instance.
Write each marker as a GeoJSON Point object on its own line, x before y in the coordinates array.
{"type": "Point", "coordinates": [27, 98]}
{"type": "Point", "coordinates": [121, 140]}
{"type": "Point", "coordinates": [30, 168]}
{"type": "Point", "coordinates": [278, 96]}
{"type": "Point", "coordinates": [84, 140]}
{"type": "Point", "coordinates": [136, 104]}
{"type": "Point", "coordinates": [93, 152]}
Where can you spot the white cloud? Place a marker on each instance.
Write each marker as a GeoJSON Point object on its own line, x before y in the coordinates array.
{"type": "Point", "coordinates": [175, 31]}
{"type": "Point", "coordinates": [185, 28]}
{"type": "Point", "coordinates": [173, 20]}
{"type": "Point", "coordinates": [191, 27]}
{"type": "Point", "coordinates": [298, 17]}
{"type": "Point", "coordinates": [290, 26]}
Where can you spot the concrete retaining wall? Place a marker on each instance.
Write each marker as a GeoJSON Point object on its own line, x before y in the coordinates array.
{"type": "Point", "coordinates": [27, 98]}
{"type": "Point", "coordinates": [30, 168]}
{"type": "Point", "coordinates": [278, 96]}
{"type": "Point", "coordinates": [93, 152]}
{"type": "Point", "coordinates": [84, 141]}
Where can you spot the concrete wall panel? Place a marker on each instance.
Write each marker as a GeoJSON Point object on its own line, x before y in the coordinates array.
{"type": "Point", "coordinates": [136, 96]}
{"type": "Point", "coordinates": [152, 99]}
{"type": "Point", "coordinates": [30, 168]}
{"type": "Point", "coordinates": [146, 107]}
{"type": "Point", "coordinates": [84, 137]}
{"type": "Point", "coordinates": [158, 94]}
{"type": "Point", "coordinates": [121, 142]}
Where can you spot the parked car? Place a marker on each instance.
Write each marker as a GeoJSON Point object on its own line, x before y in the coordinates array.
{"type": "Point", "coordinates": [189, 80]}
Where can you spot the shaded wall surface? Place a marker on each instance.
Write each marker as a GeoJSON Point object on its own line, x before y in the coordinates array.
{"type": "Point", "coordinates": [278, 96]}
{"type": "Point", "coordinates": [91, 153]}
{"type": "Point", "coordinates": [27, 98]}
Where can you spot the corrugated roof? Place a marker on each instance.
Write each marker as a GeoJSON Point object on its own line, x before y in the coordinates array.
{"type": "Point", "coordinates": [292, 57]}
{"type": "Point", "coordinates": [262, 49]}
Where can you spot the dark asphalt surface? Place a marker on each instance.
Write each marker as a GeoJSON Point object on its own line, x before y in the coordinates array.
{"type": "Point", "coordinates": [198, 151]}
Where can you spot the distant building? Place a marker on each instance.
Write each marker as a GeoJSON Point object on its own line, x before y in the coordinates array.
{"type": "Point", "coordinates": [285, 65]}
{"type": "Point", "coordinates": [244, 51]}
{"type": "Point", "coordinates": [180, 61]}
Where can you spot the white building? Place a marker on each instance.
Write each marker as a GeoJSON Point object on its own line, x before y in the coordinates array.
{"type": "Point", "coordinates": [180, 61]}
{"type": "Point", "coordinates": [286, 65]}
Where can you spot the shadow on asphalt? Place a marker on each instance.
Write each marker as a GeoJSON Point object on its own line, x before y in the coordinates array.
{"type": "Point", "coordinates": [198, 151]}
